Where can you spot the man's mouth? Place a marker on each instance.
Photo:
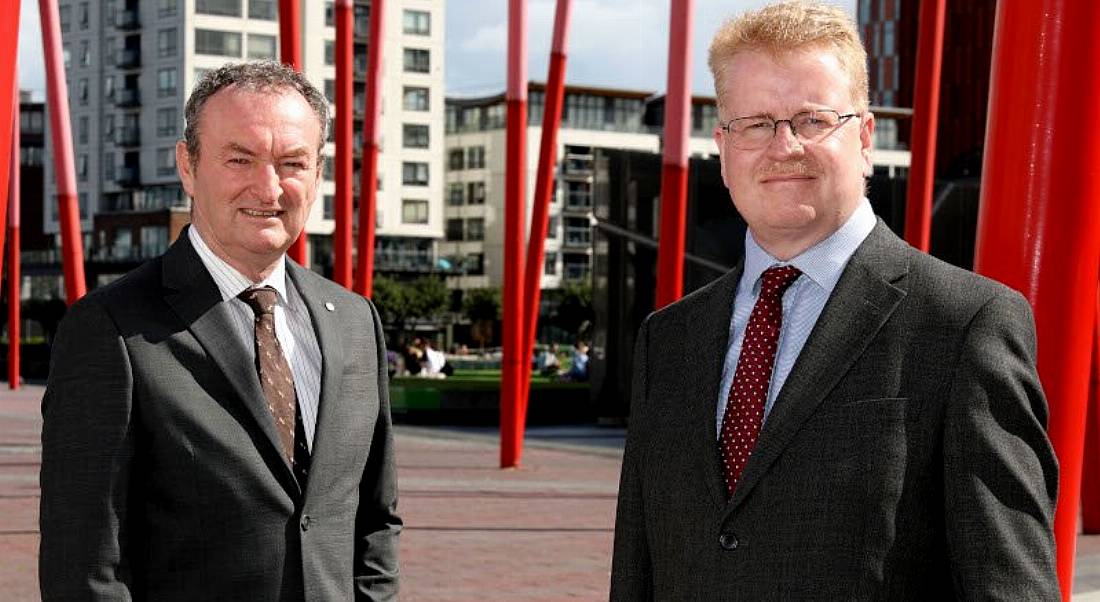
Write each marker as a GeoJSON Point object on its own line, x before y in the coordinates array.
{"type": "Point", "coordinates": [257, 213]}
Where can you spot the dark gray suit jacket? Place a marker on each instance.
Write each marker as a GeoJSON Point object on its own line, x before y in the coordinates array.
{"type": "Point", "coordinates": [162, 476]}
{"type": "Point", "coordinates": [905, 457]}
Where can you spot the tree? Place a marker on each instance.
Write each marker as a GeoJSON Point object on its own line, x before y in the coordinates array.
{"type": "Point", "coordinates": [482, 306]}
{"type": "Point", "coordinates": [574, 313]}
{"type": "Point", "coordinates": [399, 303]}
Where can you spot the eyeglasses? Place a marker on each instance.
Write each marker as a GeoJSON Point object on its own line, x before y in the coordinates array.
{"type": "Point", "coordinates": [756, 132]}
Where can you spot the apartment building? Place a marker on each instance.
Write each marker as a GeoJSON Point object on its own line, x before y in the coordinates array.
{"type": "Point", "coordinates": [130, 65]}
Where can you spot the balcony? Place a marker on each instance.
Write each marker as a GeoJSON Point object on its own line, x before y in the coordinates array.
{"type": "Point", "coordinates": [128, 136]}
{"type": "Point", "coordinates": [128, 58]}
{"type": "Point", "coordinates": [578, 238]}
{"type": "Point", "coordinates": [577, 165]}
{"type": "Point", "coordinates": [127, 20]}
{"type": "Point", "coordinates": [128, 177]}
{"type": "Point", "coordinates": [128, 98]}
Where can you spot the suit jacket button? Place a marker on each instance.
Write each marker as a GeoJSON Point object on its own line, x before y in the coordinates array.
{"type": "Point", "coordinates": [728, 541]}
{"type": "Point", "coordinates": [306, 520]}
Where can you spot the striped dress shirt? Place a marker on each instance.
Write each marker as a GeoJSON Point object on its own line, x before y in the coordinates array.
{"type": "Point", "coordinates": [821, 265]}
{"type": "Point", "coordinates": [293, 326]}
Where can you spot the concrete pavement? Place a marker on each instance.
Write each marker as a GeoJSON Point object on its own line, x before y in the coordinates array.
{"type": "Point", "coordinates": [473, 532]}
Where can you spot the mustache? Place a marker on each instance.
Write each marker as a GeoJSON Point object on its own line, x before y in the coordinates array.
{"type": "Point", "coordinates": [801, 166]}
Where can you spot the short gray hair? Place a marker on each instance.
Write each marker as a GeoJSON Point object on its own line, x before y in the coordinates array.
{"type": "Point", "coordinates": [262, 76]}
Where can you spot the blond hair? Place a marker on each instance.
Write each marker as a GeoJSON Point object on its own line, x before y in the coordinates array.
{"type": "Point", "coordinates": [789, 26]}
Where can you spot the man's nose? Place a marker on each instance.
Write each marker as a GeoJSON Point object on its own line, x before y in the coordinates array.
{"type": "Point", "coordinates": [267, 183]}
{"type": "Point", "coordinates": [784, 143]}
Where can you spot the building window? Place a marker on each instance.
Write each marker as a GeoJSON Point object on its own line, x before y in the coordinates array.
{"type": "Point", "coordinates": [329, 207]}
{"type": "Point", "coordinates": [330, 15]}
{"type": "Point", "coordinates": [552, 227]}
{"type": "Point", "coordinates": [361, 20]}
{"type": "Point", "coordinates": [109, 167]}
{"type": "Point", "coordinates": [82, 168]}
{"type": "Point", "coordinates": [82, 15]}
{"type": "Point", "coordinates": [475, 228]}
{"type": "Point", "coordinates": [225, 8]}
{"type": "Point", "coordinates": [65, 16]}
{"type": "Point", "coordinates": [550, 265]}
{"type": "Point", "coordinates": [476, 193]}
{"type": "Point", "coordinates": [108, 126]}
{"type": "Point", "coordinates": [267, 10]}
{"type": "Point", "coordinates": [455, 194]}
{"type": "Point", "coordinates": [475, 157]}
{"type": "Point", "coordinates": [166, 82]}
{"type": "Point", "coordinates": [109, 87]}
{"type": "Point", "coordinates": [414, 135]}
{"type": "Point", "coordinates": [578, 231]}
{"type": "Point", "coordinates": [154, 240]}
{"type": "Point", "coordinates": [82, 130]}
{"type": "Point", "coordinates": [166, 121]}
{"type": "Point", "coordinates": [414, 212]}
{"type": "Point", "coordinates": [416, 60]}
{"type": "Point", "coordinates": [166, 161]}
{"type": "Point", "coordinates": [415, 99]}
{"type": "Point", "coordinates": [330, 52]}
{"type": "Point", "coordinates": [454, 229]}
{"type": "Point", "coordinates": [85, 54]}
{"type": "Point", "coordinates": [168, 8]}
{"type": "Point", "coordinates": [261, 46]}
{"type": "Point", "coordinates": [166, 43]}
{"type": "Point", "coordinates": [414, 173]}
{"type": "Point", "coordinates": [579, 195]}
{"type": "Point", "coordinates": [418, 22]}
{"type": "Point", "coordinates": [217, 43]}
{"type": "Point", "coordinates": [454, 159]}
{"type": "Point", "coordinates": [330, 94]}
{"type": "Point", "coordinates": [474, 264]}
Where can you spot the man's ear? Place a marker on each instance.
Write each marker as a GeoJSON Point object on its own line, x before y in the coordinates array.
{"type": "Point", "coordinates": [185, 168]}
{"type": "Point", "coordinates": [867, 142]}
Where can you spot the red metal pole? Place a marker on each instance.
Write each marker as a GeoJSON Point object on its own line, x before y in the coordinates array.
{"type": "Point", "coordinates": [290, 53]}
{"type": "Point", "coordinates": [9, 114]}
{"type": "Point", "coordinates": [674, 172]}
{"type": "Point", "coordinates": [1039, 219]}
{"type": "Point", "coordinates": [368, 177]}
{"type": "Point", "coordinates": [544, 187]}
{"type": "Point", "coordinates": [14, 338]}
{"type": "Point", "coordinates": [1090, 474]}
{"type": "Point", "coordinates": [926, 104]}
{"type": "Point", "coordinates": [57, 102]}
{"type": "Point", "coordinates": [511, 420]}
{"type": "Point", "coordinates": [345, 99]}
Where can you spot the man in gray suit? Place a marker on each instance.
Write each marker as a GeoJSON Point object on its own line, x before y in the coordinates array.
{"type": "Point", "coordinates": [216, 423]}
{"type": "Point", "coordinates": [841, 416]}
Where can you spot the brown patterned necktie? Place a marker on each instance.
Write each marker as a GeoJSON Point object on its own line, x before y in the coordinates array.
{"type": "Point", "coordinates": [749, 391]}
{"type": "Point", "coordinates": [277, 380]}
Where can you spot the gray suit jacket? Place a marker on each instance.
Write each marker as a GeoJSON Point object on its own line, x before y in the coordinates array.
{"type": "Point", "coordinates": [162, 476]}
{"type": "Point", "coordinates": [905, 457]}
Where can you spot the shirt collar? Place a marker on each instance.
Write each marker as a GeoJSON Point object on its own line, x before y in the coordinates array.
{"type": "Point", "coordinates": [822, 263]}
{"type": "Point", "coordinates": [230, 281]}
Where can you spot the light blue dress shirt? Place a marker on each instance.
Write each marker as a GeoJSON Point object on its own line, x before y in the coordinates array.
{"type": "Point", "coordinates": [821, 265]}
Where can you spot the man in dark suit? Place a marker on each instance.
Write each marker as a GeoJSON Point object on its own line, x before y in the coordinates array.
{"type": "Point", "coordinates": [841, 416]}
{"type": "Point", "coordinates": [216, 423]}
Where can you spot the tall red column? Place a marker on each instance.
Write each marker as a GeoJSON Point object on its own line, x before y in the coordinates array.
{"type": "Point", "coordinates": [14, 337]}
{"type": "Point", "coordinates": [368, 177]}
{"type": "Point", "coordinates": [511, 419]}
{"type": "Point", "coordinates": [61, 135]}
{"type": "Point", "coordinates": [1039, 221]}
{"type": "Point", "coordinates": [345, 99]}
{"type": "Point", "coordinates": [926, 104]}
{"type": "Point", "coordinates": [544, 187]}
{"type": "Point", "coordinates": [290, 53]}
{"type": "Point", "coordinates": [674, 171]}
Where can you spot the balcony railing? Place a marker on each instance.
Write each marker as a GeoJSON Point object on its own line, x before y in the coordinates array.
{"type": "Point", "coordinates": [128, 177]}
{"type": "Point", "coordinates": [128, 98]}
{"type": "Point", "coordinates": [128, 58]}
{"type": "Point", "coordinates": [128, 19]}
{"type": "Point", "coordinates": [128, 136]}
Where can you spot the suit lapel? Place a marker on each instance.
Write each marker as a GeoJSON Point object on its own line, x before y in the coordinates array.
{"type": "Point", "coordinates": [867, 293]}
{"type": "Point", "coordinates": [195, 298]}
{"type": "Point", "coordinates": [331, 342]}
{"type": "Point", "coordinates": [713, 322]}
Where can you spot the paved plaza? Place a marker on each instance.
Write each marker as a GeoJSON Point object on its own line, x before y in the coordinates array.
{"type": "Point", "coordinates": [473, 532]}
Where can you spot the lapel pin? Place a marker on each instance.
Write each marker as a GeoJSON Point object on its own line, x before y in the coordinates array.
{"type": "Point", "coordinates": [329, 306]}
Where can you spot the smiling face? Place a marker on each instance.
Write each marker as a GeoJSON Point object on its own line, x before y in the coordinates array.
{"type": "Point", "coordinates": [791, 194]}
{"type": "Point", "coordinates": [256, 176]}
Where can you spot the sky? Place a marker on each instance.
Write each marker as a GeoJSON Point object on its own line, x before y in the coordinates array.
{"type": "Point", "coordinates": [610, 43]}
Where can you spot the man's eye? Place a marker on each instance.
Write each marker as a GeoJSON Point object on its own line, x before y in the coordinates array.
{"type": "Point", "coordinates": [296, 164]}
{"type": "Point", "coordinates": [239, 161]}
{"type": "Point", "coordinates": [759, 125]}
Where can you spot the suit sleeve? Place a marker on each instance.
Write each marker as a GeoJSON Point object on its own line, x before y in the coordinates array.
{"type": "Point", "coordinates": [631, 569]}
{"type": "Point", "coordinates": [377, 524]}
{"type": "Point", "coordinates": [87, 453]}
{"type": "Point", "coordinates": [1000, 473]}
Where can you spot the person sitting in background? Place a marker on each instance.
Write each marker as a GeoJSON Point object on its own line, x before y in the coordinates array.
{"type": "Point", "coordinates": [434, 362]}
{"type": "Point", "coordinates": [578, 370]}
{"type": "Point", "coordinates": [548, 363]}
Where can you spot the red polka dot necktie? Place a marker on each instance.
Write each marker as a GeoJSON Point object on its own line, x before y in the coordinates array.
{"type": "Point", "coordinates": [745, 404]}
{"type": "Point", "coordinates": [277, 381]}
